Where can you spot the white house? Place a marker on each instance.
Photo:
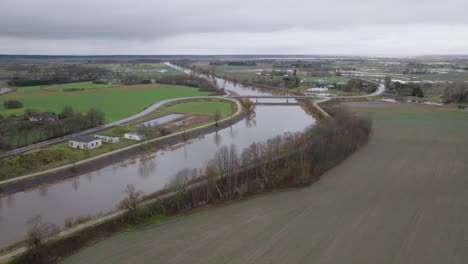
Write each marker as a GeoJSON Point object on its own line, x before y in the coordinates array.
{"type": "Point", "coordinates": [107, 138]}
{"type": "Point", "coordinates": [134, 136]}
{"type": "Point", "coordinates": [85, 142]}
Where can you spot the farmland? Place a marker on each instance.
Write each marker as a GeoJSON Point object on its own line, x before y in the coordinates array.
{"type": "Point", "coordinates": [400, 199]}
{"type": "Point", "coordinates": [116, 102]}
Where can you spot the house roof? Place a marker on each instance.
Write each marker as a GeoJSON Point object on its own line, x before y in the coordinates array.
{"type": "Point", "coordinates": [84, 139]}
{"type": "Point", "coordinates": [106, 135]}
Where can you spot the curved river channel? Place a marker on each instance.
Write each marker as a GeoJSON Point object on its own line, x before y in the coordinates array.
{"type": "Point", "coordinates": [100, 191]}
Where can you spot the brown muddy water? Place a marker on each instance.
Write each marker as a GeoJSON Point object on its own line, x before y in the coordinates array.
{"type": "Point", "coordinates": [100, 191]}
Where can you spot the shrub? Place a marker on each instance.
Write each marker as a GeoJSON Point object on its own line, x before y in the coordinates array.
{"type": "Point", "coordinates": [12, 104]}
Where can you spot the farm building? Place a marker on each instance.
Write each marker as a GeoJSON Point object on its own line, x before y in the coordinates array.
{"type": "Point", "coordinates": [107, 138]}
{"type": "Point", "coordinates": [134, 136]}
{"type": "Point", "coordinates": [85, 142]}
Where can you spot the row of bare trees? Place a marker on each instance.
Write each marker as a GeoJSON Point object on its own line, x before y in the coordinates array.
{"type": "Point", "coordinates": [290, 160]}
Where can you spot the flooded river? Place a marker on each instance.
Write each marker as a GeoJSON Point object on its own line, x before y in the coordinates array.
{"type": "Point", "coordinates": [101, 190]}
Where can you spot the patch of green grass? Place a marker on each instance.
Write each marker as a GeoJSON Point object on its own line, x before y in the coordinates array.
{"type": "Point", "coordinates": [28, 89]}
{"type": "Point", "coordinates": [81, 85]}
{"type": "Point", "coordinates": [201, 108]}
{"type": "Point", "coordinates": [117, 102]}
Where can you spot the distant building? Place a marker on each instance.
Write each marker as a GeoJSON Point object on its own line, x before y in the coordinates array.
{"type": "Point", "coordinates": [134, 136]}
{"type": "Point", "coordinates": [85, 142]}
{"type": "Point", "coordinates": [107, 138]}
{"type": "Point", "coordinates": [43, 117]}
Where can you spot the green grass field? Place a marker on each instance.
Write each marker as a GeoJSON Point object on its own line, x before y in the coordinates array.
{"type": "Point", "coordinates": [400, 199]}
{"type": "Point", "coordinates": [201, 108]}
{"type": "Point", "coordinates": [116, 102]}
{"type": "Point", "coordinates": [81, 85]}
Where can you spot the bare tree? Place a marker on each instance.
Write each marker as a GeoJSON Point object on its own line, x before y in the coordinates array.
{"type": "Point", "coordinates": [131, 201]}
{"type": "Point", "coordinates": [248, 105]}
{"type": "Point", "coordinates": [217, 117]}
{"type": "Point", "coordinates": [38, 230]}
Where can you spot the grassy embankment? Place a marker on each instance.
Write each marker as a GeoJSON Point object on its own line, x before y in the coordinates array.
{"type": "Point", "coordinates": [60, 154]}
{"type": "Point", "coordinates": [400, 198]}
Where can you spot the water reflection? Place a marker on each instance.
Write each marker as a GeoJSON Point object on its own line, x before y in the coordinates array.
{"type": "Point", "coordinates": [102, 189]}
{"type": "Point", "coordinates": [217, 139]}
{"type": "Point", "coordinates": [76, 184]}
{"type": "Point", "coordinates": [11, 200]}
{"type": "Point", "coordinates": [147, 166]}
{"type": "Point", "coordinates": [89, 176]}
{"type": "Point", "coordinates": [43, 191]}
{"type": "Point", "coordinates": [250, 120]}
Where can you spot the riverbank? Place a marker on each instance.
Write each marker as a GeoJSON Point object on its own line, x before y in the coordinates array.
{"type": "Point", "coordinates": [250, 182]}
{"type": "Point", "coordinates": [397, 210]}
{"type": "Point", "coordinates": [106, 159]}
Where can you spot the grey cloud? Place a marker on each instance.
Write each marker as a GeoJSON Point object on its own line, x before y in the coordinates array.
{"type": "Point", "coordinates": [149, 20]}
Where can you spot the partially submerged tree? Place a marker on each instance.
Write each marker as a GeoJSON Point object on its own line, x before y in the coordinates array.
{"type": "Point", "coordinates": [248, 105]}
{"type": "Point", "coordinates": [38, 231]}
{"type": "Point", "coordinates": [131, 201]}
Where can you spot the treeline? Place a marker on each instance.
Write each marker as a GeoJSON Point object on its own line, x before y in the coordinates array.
{"type": "Point", "coordinates": [406, 89]}
{"type": "Point", "coordinates": [318, 65]}
{"type": "Point", "coordinates": [35, 126]}
{"type": "Point", "coordinates": [456, 93]}
{"type": "Point", "coordinates": [357, 84]}
{"type": "Point", "coordinates": [291, 160]}
{"type": "Point", "coordinates": [234, 63]}
{"type": "Point", "coordinates": [186, 80]}
{"type": "Point", "coordinates": [57, 74]}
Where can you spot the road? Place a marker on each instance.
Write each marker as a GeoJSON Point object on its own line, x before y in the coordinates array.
{"type": "Point", "coordinates": [239, 110]}
{"type": "Point", "coordinates": [153, 107]}
{"type": "Point", "coordinates": [148, 110]}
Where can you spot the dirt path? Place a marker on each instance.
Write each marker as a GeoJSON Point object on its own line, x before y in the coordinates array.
{"type": "Point", "coordinates": [409, 205]}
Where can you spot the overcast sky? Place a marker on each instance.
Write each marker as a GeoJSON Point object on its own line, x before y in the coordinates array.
{"type": "Point", "coordinates": [374, 27]}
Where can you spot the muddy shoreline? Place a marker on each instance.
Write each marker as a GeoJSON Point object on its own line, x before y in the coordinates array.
{"type": "Point", "coordinates": [109, 160]}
